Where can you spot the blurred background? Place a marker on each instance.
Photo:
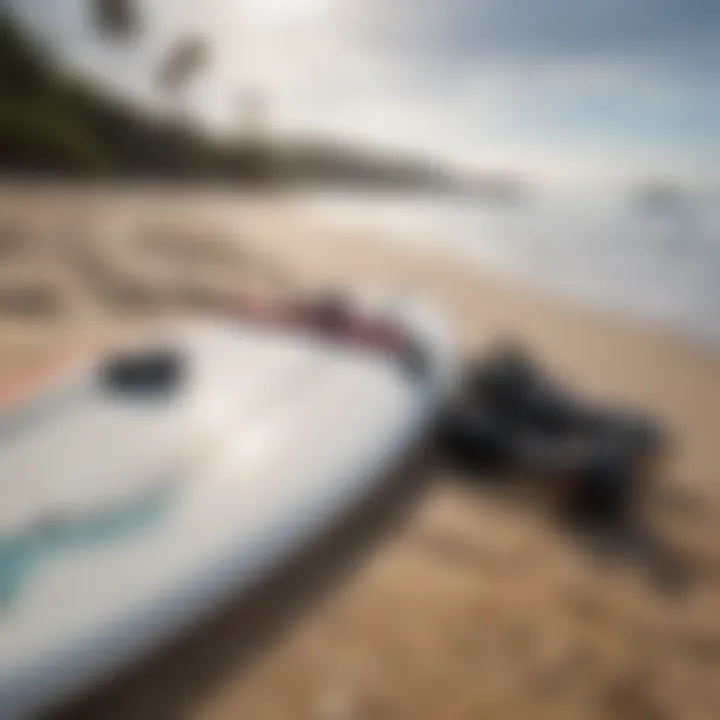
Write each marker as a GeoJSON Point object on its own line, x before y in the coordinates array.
{"type": "Point", "coordinates": [547, 169]}
{"type": "Point", "coordinates": [543, 139]}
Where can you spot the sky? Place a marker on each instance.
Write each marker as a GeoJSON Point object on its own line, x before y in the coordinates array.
{"type": "Point", "coordinates": [570, 90]}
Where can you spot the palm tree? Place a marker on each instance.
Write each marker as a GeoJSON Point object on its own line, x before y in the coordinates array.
{"type": "Point", "coordinates": [116, 18]}
{"type": "Point", "coordinates": [185, 58]}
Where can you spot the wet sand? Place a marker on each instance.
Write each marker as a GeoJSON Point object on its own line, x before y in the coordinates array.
{"type": "Point", "coordinates": [469, 604]}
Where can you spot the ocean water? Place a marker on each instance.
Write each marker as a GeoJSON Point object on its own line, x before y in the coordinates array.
{"type": "Point", "coordinates": [660, 269]}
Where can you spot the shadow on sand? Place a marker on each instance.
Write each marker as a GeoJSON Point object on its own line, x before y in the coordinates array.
{"type": "Point", "coordinates": [629, 541]}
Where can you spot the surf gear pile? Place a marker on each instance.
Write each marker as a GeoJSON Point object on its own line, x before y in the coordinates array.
{"type": "Point", "coordinates": [511, 418]}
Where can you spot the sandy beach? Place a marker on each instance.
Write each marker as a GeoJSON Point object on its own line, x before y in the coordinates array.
{"type": "Point", "coordinates": [472, 605]}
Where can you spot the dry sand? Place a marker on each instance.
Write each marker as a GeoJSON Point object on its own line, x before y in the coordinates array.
{"type": "Point", "coordinates": [473, 605]}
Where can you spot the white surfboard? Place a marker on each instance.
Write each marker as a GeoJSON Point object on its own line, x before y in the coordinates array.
{"type": "Point", "coordinates": [124, 516]}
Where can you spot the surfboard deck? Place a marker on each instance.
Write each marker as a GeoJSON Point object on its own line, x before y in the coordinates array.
{"type": "Point", "coordinates": [126, 518]}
